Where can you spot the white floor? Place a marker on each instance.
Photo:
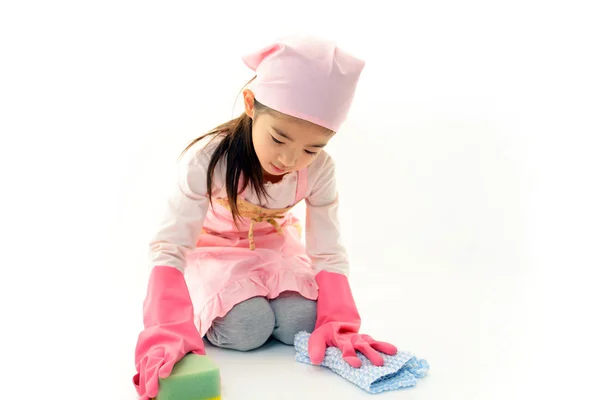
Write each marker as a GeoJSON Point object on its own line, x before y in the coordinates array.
{"type": "Point", "coordinates": [482, 335]}
{"type": "Point", "coordinates": [483, 116]}
{"type": "Point", "coordinates": [516, 330]}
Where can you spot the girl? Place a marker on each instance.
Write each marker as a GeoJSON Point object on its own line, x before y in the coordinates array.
{"type": "Point", "coordinates": [228, 263]}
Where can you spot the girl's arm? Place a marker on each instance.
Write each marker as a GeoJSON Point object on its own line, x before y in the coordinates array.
{"type": "Point", "coordinates": [169, 332]}
{"type": "Point", "coordinates": [338, 320]}
{"type": "Point", "coordinates": [323, 238]}
{"type": "Point", "coordinates": [186, 209]}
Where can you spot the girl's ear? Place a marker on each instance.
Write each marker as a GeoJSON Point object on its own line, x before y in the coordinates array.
{"type": "Point", "coordinates": [249, 103]}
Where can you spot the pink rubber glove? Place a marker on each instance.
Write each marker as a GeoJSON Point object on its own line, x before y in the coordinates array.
{"type": "Point", "coordinates": [338, 323]}
{"type": "Point", "coordinates": [169, 331]}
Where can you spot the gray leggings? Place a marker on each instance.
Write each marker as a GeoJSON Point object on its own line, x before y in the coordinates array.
{"type": "Point", "coordinates": [252, 322]}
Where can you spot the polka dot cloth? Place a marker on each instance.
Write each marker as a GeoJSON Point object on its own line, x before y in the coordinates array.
{"type": "Point", "coordinates": [399, 371]}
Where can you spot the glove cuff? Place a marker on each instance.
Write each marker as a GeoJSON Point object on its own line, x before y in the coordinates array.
{"type": "Point", "coordinates": [335, 302]}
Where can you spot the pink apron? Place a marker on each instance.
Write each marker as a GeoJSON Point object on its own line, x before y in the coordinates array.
{"type": "Point", "coordinates": [264, 257]}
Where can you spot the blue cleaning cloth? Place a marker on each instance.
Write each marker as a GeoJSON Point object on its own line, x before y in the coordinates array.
{"type": "Point", "coordinates": [399, 371]}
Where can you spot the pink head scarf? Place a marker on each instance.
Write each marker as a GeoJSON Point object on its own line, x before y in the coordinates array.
{"type": "Point", "coordinates": [307, 78]}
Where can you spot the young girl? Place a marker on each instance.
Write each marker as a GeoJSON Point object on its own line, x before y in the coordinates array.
{"type": "Point", "coordinates": [228, 263]}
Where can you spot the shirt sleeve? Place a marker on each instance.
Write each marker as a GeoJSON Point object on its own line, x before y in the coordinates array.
{"type": "Point", "coordinates": [323, 238]}
{"type": "Point", "coordinates": [186, 209]}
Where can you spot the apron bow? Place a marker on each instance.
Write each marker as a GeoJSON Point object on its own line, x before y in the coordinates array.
{"type": "Point", "coordinates": [267, 218]}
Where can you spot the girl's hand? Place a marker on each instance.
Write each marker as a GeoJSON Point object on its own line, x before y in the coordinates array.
{"type": "Point", "coordinates": [338, 324]}
{"type": "Point", "coordinates": [345, 336]}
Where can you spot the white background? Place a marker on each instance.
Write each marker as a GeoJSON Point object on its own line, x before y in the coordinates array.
{"type": "Point", "coordinates": [473, 207]}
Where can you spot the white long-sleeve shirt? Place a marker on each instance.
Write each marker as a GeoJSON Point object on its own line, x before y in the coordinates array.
{"type": "Point", "coordinates": [188, 206]}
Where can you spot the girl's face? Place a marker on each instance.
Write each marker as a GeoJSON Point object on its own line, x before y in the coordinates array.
{"type": "Point", "coordinates": [284, 144]}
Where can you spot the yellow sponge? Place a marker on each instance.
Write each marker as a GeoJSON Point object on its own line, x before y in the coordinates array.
{"type": "Point", "coordinates": [194, 377]}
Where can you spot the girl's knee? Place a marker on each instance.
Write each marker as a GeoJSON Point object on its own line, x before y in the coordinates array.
{"type": "Point", "coordinates": [293, 314]}
{"type": "Point", "coordinates": [246, 327]}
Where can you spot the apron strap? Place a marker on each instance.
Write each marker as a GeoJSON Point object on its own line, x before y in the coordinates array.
{"type": "Point", "coordinates": [302, 185]}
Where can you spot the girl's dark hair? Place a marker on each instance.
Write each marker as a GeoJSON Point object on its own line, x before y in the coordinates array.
{"type": "Point", "coordinates": [242, 161]}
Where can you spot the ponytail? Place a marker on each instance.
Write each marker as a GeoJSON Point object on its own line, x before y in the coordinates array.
{"type": "Point", "coordinates": [241, 159]}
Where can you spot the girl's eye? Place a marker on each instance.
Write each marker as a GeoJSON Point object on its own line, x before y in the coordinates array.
{"type": "Point", "coordinates": [276, 141]}
{"type": "Point", "coordinates": [312, 153]}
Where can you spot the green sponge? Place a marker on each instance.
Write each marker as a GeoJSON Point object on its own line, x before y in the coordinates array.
{"type": "Point", "coordinates": [194, 377]}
